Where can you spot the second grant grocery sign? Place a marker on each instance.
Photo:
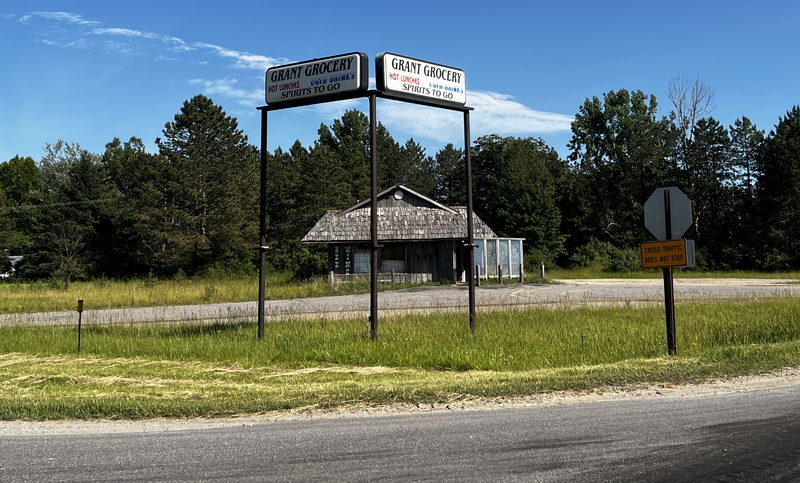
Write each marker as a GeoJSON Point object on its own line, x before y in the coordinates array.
{"type": "Point", "coordinates": [414, 78]}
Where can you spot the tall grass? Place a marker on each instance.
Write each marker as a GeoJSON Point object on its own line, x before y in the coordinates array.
{"type": "Point", "coordinates": [153, 292]}
{"type": "Point", "coordinates": [505, 341]}
{"type": "Point", "coordinates": [213, 370]}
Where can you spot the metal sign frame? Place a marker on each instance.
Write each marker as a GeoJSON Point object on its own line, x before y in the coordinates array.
{"type": "Point", "coordinates": [372, 95]}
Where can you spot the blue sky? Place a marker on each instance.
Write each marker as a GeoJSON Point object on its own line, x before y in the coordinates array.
{"type": "Point", "coordinates": [89, 71]}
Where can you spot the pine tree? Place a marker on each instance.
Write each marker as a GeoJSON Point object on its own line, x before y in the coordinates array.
{"type": "Point", "coordinates": [449, 176]}
{"type": "Point", "coordinates": [779, 194]}
{"type": "Point", "coordinates": [709, 184]}
{"type": "Point", "coordinates": [210, 188]}
{"type": "Point", "coordinates": [746, 144]}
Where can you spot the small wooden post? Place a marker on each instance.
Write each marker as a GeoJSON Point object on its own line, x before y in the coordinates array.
{"type": "Point", "coordinates": [500, 273]}
{"type": "Point", "coordinates": [477, 275]}
{"type": "Point", "coordinates": [542, 269]}
{"type": "Point", "coordinates": [521, 273]}
{"type": "Point", "coordinates": [80, 319]}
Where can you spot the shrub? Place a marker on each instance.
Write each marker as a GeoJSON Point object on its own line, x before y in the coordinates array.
{"type": "Point", "coordinates": [534, 259]}
{"type": "Point", "coordinates": [300, 260]}
{"type": "Point", "coordinates": [623, 260]}
{"type": "Point", "coordinates": [595, 251]}
{"type": "Point", "coordinates": [234, 268]}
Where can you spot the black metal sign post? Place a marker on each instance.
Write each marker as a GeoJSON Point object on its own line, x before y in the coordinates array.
{"type": "Point", "coordinates": [470, 232]}
{"type": "Point", "coordinates": [667, 215]}
{"type": "Point", "coordinates": [262, 225]}
{"type": "Point", "coordinates": [292, 72]}
{"type": "Point", "coordinates": [373, 219]}
{"type": "Point", "coordinates": [669, 289]}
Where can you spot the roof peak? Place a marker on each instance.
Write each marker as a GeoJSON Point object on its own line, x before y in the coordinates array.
{"type": "Point", "coordinates": [397, 186]}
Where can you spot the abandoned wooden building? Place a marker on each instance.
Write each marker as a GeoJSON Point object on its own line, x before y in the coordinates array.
{"type": "Point", "coordinates": [422, 240]}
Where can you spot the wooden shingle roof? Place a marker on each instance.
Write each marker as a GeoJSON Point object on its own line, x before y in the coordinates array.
{"type": "Point", "coordinates": [408, 216]}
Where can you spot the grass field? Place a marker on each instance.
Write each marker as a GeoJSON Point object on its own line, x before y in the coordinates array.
{"type": "Point", "coordinates": [216, 370]}
{"type": "Point", "coordinates": [151, 292]}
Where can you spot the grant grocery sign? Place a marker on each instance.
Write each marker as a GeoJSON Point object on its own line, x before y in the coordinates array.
{"type": "Point", "coordinates": [326, 77]}
{"type": "Point", "coordinates": [416, 78]}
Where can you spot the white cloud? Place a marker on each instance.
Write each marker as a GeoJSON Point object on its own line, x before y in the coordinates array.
{"type": "Point", "coordinates": [243, 60]}
{"type": "Point", "coordinates": [499, 112]}
{"type": "Point", "coordinates": [121, 31]}
{"type": "Point", "coordinates": [74, 43]}
{"type": "Point", "coordinates": [228, 88]}
{"type": "Point", "coordinates": [65, 17]}
{"type": "Point", "coordinates": [494, 114]}
{"type": "Point", "coordinates": [73, 30]}
{"type": "Point", "coordinates": [335, 110]}
{"type": "Point", "coordinates": [174, 42]}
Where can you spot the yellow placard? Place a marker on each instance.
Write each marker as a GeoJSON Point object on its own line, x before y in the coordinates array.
{"type": "Point", "coordinates": [663, 254]}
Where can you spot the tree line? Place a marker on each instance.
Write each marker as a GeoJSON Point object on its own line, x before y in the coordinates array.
{"type": "Point", "coordinates": [192, 207]}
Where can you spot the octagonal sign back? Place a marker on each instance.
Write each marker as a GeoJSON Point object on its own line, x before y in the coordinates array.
{"type": "Point", "coordinates": [680, 210]}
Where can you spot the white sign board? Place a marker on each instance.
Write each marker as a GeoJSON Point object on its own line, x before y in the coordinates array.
{"type": "Point", "coordinates": [417, 78]}
{"type": "Point", "coordinates": [680, 211]}
{"type": "Point", "coordinates": [329, 76]}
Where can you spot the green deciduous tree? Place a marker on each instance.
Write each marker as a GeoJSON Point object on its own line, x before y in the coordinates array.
{"type": "Point", "coordinates": [65, 213]}
{"type": "Point", "coordinates": [134, 179]}
{"type": "Point", "coordinates": [621, 151]}
{"type": "Point", "coordinates": [515, 191]}
{"type": "Point", "coordinates": [19, 185]}
{"type": "Point", "coordinates": [19, 178]}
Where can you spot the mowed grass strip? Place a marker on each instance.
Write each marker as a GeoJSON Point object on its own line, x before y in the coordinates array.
{"type": "Point", "coordinates": [219, 370]}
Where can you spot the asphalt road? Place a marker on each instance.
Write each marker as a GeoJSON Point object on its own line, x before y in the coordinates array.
{"type": "Point", "coordinates": [427, 299]}
{"type": "Point", "coordinates": [748, 436]}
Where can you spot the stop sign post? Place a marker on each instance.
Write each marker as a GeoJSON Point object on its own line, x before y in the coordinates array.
{"type": "Point", "coordinates": [667, 215]}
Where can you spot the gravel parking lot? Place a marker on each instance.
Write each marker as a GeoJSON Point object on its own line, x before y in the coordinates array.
{"type": "Point", "coordinates": [430, 299]}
